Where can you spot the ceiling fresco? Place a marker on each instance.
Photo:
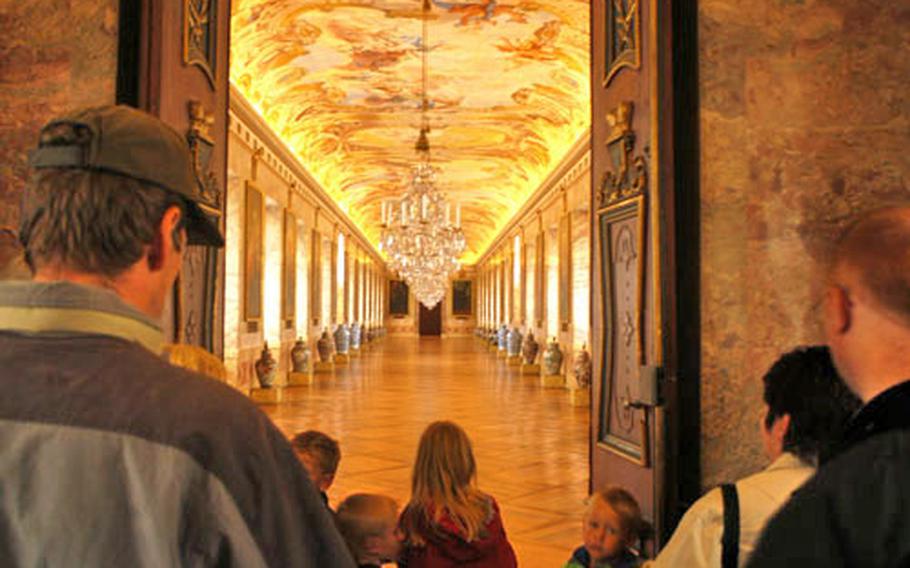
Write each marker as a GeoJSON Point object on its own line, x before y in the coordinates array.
{"type": "Point", "coordinates": [339, 81]}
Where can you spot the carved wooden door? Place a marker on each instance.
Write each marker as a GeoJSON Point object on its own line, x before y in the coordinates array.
{"type": "Point", "coordinates": [430, 320]}
{"type": "Point", "coordinates": [174, 64]}
{"type": "Point", "coordinates": [632, 220]}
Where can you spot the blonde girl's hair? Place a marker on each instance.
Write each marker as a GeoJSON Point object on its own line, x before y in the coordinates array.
{"type": "Point", "coordinates": [444, 480]}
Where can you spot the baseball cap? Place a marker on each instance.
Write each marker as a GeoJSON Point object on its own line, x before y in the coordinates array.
{"type": "Point", "coordinates": [125, 141]}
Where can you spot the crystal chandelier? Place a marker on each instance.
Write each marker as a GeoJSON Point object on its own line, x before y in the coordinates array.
{"type": "Point", "coordinates": [421, 233]}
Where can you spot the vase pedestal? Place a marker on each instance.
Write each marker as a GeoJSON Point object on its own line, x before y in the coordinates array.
{"type": "Point", "coordinates": [354, 352]}
{"type": "Point", "coordinates": [493, 348]}
{"type": "Point", "coordinates": [532, 369]}
{"type": "Point", "coordinates": [271, 395]}
{"type": "Point", "coordinates": [513, 360]}
{"type": "Point", "coordinates": [342, 359]}
{"type": "Point", "coordinates": [552, 381]}
{"type": "Point", "coordinates": [324, 367]}
{"type": "Point", "coordinates": [502, 353]}
{"type": "Point", "coordinates": [300, 379]}
{"type": "Point", "coordinates": [580, 397]}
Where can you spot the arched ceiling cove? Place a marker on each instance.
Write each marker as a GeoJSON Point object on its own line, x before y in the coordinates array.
{"type": "Point", "coordinates": [339, 82]}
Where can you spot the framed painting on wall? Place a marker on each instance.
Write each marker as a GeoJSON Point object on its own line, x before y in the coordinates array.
{"type": "Point", "coordinates": [252, 258]}
{"type": "Point", "coordinates": [289, 271]}
{"type": "Point", "coordinates": [565, 272]}
{"type": "Point", "coordinates": [315, 276]}
{"type": "Point", "coordinates": [398, 298]}
{"type": "Point", "coordinates": [462, 298]}
{"type": "Point", "coordinates": [540, 280]}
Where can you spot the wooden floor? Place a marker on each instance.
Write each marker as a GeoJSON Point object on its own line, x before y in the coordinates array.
{"type": "Point", "coordinates": [531, 445]}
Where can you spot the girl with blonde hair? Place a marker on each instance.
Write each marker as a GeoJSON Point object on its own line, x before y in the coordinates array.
{"type": "Point", "coordinates": [449, 521]}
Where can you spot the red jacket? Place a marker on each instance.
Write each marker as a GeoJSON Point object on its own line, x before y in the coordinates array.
{"type": "Point", "coordinates": [445, 544]}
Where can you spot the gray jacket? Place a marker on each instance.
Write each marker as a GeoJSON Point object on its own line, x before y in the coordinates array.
{"type": "Point", "coordinates": [109, 456]}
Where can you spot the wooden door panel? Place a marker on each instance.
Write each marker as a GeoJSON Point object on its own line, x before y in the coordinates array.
{"type": "Point", "coordinates": [626, 278]}
{"type": "Point", "coordinates": [621, 234]}
{"type": "Point", "coordinates": [430, 321]}
{"type": "Point", "coordinates": [183, 79]}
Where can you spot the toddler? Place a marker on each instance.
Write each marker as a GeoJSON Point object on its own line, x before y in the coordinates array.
{"type": "Point", "coordinates": [611, 526]}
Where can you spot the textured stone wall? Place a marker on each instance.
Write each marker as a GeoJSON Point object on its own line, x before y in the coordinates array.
{"type": "Point", "coordinates": [804, 121]}
{"type": "Point", "coordinates": [53, 56]}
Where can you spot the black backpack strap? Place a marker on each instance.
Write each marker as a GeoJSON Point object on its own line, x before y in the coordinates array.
{"type": "Point", "coordinates": [730, 541]}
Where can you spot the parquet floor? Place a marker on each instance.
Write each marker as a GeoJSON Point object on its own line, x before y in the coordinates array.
{"type": "Point", "coordinates": [530, 444]}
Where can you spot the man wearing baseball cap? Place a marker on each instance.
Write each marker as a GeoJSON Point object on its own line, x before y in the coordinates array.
{"type": "Point", "coordinates": [110, 455]}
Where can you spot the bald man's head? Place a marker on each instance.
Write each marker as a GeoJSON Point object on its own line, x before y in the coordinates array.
{"type": "Point", "coordinates": [875, 253]}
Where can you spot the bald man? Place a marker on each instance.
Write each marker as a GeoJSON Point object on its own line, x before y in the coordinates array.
{"type": "Point", "coordinates": [856, 510]}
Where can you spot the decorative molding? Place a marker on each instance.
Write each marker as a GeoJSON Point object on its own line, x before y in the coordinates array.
{"type": "Point", "coordinates": [628, 176]}
{"type": "Point", "coordinates": [200, 41]}
{"type": "Point", "coordinates": [622, 22]}
{"type": "Point", "coordinates": [621, 249]}
{"type": "Point", "coordinates": [202, 146]}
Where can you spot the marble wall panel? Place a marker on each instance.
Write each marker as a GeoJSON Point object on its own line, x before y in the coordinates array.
{"type": "Point", "coordinates": [804, 122]}
{"type": "Point", "coordinates": [51, 60]}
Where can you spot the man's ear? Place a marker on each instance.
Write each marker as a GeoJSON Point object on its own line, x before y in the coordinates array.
{"type": "Point", "coordinates": [780, 427]}
{"type": "Point", "coordinates": [838, 310]}
{"type": "Point", "coordinates": [168, 239]}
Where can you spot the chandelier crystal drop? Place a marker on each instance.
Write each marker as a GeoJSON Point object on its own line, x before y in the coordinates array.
{"type": "Point", "coordinates": [421, 231]}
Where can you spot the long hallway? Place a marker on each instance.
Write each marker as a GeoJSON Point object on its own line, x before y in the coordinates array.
{"type": "Point", "coordinates": [530, 443]}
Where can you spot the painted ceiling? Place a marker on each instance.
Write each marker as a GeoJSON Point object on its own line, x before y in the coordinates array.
{"type": "Point", "coordinates": [339, 81]}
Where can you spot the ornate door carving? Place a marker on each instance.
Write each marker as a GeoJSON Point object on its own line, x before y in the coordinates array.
{"type": "Point", "coordinates": [632, 239]}
{"type": "Point", "coordinates": [174, 58]}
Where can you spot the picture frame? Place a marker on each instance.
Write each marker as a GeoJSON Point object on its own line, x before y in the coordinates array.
{"type": "Point", "coordinates": [253, 231]}
{"type": "Point", "coordinates": [316, 277]}
{"type": "Point", "coordinates": [462, 298]}
{"type": "Point", "coordinates": [398, 298]}
{"type": "Point", "coordinates": [540, 279]}
{"type": "Point", "coordinates": [565, 272]}
{"type": "Point", "coordinates": [289, 270]}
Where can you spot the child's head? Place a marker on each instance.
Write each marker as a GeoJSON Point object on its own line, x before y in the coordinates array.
{"type": "Point", "coordinates": [369, 524]}
{"type": "Point", "coordinates": [612, 522]}
{"type": "Point", "coordinates": [319, 455]}
{"type": "Point", "coordinates": [445, 462]}
{"type": "Point", "coordinates": [444, 480]}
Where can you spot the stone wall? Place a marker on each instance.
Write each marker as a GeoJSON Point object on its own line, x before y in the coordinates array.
{"type": "Point", "coordinates": [804, 121]}
{"type": "Point", "coordinates": [51, 60]}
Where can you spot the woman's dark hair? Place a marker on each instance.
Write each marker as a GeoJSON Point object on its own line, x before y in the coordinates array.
{"type": "Point", "coordinates": [805, 384]}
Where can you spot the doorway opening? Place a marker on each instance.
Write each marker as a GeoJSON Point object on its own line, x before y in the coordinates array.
{"type": "Point", "coordinates": [431, 320]}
